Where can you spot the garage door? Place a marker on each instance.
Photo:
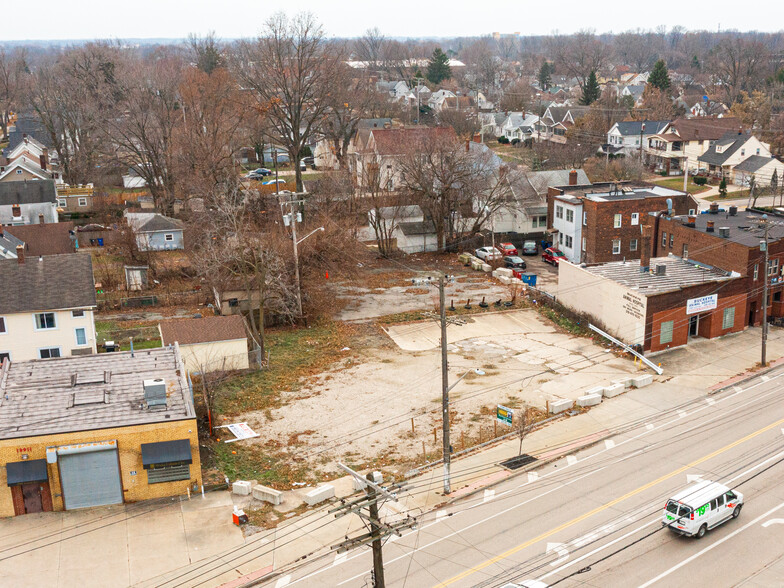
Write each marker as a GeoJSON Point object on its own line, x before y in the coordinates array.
{"type": "Point", "coordinates": [90, 479]}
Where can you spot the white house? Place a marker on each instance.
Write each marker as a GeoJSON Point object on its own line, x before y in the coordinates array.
{"type": "Point", "coordinates": [214, 343]}
{"type": "Point", "coordinates": [624, 137]}
{"type": "Point", "coordinates": [24, 203]}
{"type": "Point", "coordinates": [520, 125]}
{"type": "Point", "coordinates": [567, 221]}
{"type": "Point", "coordinates": [635, 91]}
{"type": "Point", "coordinates": [730, 150]}
{"type": "Point", "coordinates": [46, 306]}
{"type": "Point", "coordinates": [766, 171]}
{"type": "Point", "coordinates": [436, 100]}
{"type": "Point", "coordinates": [492, 123]}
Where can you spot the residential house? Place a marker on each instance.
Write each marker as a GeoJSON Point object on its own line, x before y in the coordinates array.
{"type": "Point", "coordinates": [23, 203]}
{"type": "Point", "coordinates": [634, 79]}
{"type": "Point", "coordinates": [436, 100]}
{"type": "Point", "coordinates": [39, 239]}
{"type": "Point", "coordinates": [734, 147]}
{"type": "Point", "coordinates": [520, 126]}
{"type": "Point", "coordinates": [76, 199]}
{"type": "Point", "coordinates": [635, 91]}
{"type": "Point", "coordinates": [324, 155]}
{"type": "Point", "coordinates": [405, 224]}
{"type": "Point", "coordinates": [112, 428]}
{"type": "Point", "coordinates": [155, 232]}
{"type": "Point", "coordinates": [680, 144]}
{"type": "Point", "coordinates": [766, 171]}
{"type": "Point", "coordinates": [35, 156]}
{"type": "Point", "coordinates": [624, 137]}
{"type": "Point", "coordinates": [22, 170]}
{"type": "Point", "coordinates": [480, 100]}
{"type": "Point", "coordinates": [208, 344]}
{"type": "Point", "coordinates": [133, 179]}
{"type": "Point", "coordinates": [492, 123]}
{"type": "Point", "coordinates": [712, 108]}
{"type": "Point", "coordinates": [601, 223]}
{"type": "Point", "coordinates": [556, 120]}
{"type": "Point", "coordinates": [46, 306]}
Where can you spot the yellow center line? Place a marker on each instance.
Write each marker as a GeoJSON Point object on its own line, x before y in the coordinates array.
{"type": "Point", "coordinates": [610, 504]}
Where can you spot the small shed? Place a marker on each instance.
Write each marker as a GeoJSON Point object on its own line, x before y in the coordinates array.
{"type": "Point", "coordinates": [210, 343]}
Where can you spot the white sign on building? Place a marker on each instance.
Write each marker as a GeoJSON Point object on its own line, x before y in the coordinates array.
{"type": "Point", "coordinates": [695, 305]}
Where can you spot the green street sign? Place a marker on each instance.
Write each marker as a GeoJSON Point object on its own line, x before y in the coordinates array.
{"type": "Point", "coordinates": [504, 414]}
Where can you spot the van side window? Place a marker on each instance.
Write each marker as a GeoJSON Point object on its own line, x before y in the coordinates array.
{"type": "Point", "coordinates": [731, 496]}
{"type": "Point", "coordinates": [713, 504]}
{"type": "Point", "coordinates": [720, 500]}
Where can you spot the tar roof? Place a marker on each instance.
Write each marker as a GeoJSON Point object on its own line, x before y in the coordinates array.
{"type": "Point", "coordinates": [202, 330]}
{"type": "Point", "coordinates": [50, 282]}
{"type": "Point", "coordinates": [28, 192]}
{"type": "Point", "coordinates": [633, 193]}
{"type": "Point", "coordinates": [82, 393]}
{"type": "Point", "coordinates": [679, 274]}
{"type": "Point", "coordinates": [746, 227]}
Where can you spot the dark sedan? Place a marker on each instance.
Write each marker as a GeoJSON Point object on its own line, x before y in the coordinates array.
{"type": "Point", "coordinates": [514, 261]}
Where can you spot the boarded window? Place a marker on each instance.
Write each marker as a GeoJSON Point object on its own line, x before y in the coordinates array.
{"type": "Point", "coordinates": [729, 318]}
{"type": "Point", "coordinates": [168, 473]}
{"type": "Point", "coordinates": [666, 332]}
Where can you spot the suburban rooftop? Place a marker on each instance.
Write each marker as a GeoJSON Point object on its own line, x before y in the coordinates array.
{"type": "Point", "coordinates": [88, 392]}
{"type": "Point", "coordinates": [679, 274]}
{"type": "Point", "coordinates": [746, 227]}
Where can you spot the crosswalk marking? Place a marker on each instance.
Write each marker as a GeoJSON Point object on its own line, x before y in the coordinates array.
{"type": "Point", "coordinates": [533, 476]}
{"type": "Point", "coordinates": [609, 443]}
{"type": "Point", "coordinates": [489, 495]}
{"type": "Point", "coordinates": [571, 459]}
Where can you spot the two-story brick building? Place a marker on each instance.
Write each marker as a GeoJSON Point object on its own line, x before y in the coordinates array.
{"type": "Point", "coordinates": [601, 223]}
{"type": "Point", "coordinates": [729, 239]}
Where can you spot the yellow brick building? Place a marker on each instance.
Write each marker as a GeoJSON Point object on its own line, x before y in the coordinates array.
{"type": "Point", "coordinates": [85, 431]}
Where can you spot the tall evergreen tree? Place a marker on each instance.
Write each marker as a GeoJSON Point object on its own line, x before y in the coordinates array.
{"type": "Point", "coordinates": [545, 81]}
{"type": "Point", "coordinates": [591, 91]}
{"type": "Point", "coordinates": [438, 68]}
{"type": "Point", "coordinates": [660, 77]}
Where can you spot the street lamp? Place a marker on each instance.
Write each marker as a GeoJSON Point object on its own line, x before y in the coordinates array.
{"type": "Point", "coordinates": [445, 421]}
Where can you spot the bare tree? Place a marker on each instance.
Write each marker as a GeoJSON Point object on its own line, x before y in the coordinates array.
{"type": "Point", "coordinates": [289, 70]}
{"type": "Point", "coordinates": [579, 55]}
{"type": "Point", "coordinates": [12, 79]}
{"type": "Point", "coordinates": [524, 424]}
{"type": "Point", "coordinates": [739, 63]}
{"type": "Point", "coordinates": [370, 47]}
{"type": "Point", "coordinates": [636, 49]}
{"type": "Point", "coordinates": [463, 122]}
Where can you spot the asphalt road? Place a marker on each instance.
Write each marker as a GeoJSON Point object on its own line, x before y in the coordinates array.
{"type": "Point", "coordinates": [593, 518]}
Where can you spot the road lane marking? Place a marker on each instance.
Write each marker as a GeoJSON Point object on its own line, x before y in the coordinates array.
{"type": "Point", "coordinates": [650, 426]}
{"type": "Point", "coordinates": [764, 378]}
{"type": "Point", "coordinates": [682, 414]}
{"type": "Point", "coordinates": [340, 558]}
{"type": "Point", "coordinates": [284, 581]}
{"type": "Point", "coordinates": [693, 478]}
{"type": "Point", "coordinates": [688, 560]}
{"type": "Point", "coordinates": [609, 443]}
{"type": "Point", "coordinates": [737, 389]}
{"type": "Point", "coordinates": [534, 476]}
{"type": "Point", "coordinates": [489, 495]}
{"type": "Point", "coordinates": [773, 522]}
{"type": "Point", "coordinates": [610, 504]}
{"type": "Point", "coordinates": [571, 460]}
{"type": "Point", "coordinates": [710, 401]}
{"type": "Point", "coordinates": [440, 515]}
{"type": "Point", "coordinates": [560, 549]}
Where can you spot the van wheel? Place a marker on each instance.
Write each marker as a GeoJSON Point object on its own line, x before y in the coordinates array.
{"type": "Point", "coordinates": [736, 512]}
{"type": "Point", "coordinates": [702, 531]}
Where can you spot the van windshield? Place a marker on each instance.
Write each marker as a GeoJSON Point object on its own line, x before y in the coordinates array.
{"type": "Point", "coordinates": [678, 509]}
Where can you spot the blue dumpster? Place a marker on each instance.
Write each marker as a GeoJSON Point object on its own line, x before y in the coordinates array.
{"type": "Point", "coordinates": [100, 241]}
{"type": "Point", "coordinates": [529, 279]}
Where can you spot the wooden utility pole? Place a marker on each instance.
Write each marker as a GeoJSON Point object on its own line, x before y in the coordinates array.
{"type": "Point", "coordinates": [763, 358]}
{"type": "Point", "coordinates": [445, 387]}
{"type": "Point", "coordinates": [375, 528]}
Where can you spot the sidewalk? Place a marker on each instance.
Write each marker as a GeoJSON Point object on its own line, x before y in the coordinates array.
{"type": "Point", "coordinates": [689, 374]}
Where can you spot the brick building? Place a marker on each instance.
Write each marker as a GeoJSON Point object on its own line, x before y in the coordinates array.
{"type": "Point", "coordinates": [601, 223]}
{"type": "Point", "coordinates": [78, 432]}
{"type": "Point", "coordinates": [729, 239]}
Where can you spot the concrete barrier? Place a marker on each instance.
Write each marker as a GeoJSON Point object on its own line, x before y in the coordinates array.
{"type": "Point", "coordinates": [625, 382]}
{"type": "Point", "coordinates": [487, 268]}
{"type": "Point", "coordinates": [320, 494]}
{"type": "Point", "coordinates": [241, 488]}
{"type": "Point", "coordinates": [504, 280]}
{"type": "Point", "coordinates": [477, 265]}
{"type": "Point", "coordinates": [595, 390]}
{"type": "Point", "coordinates": [556, 406]}
{"type": "Point", "coordinates": [267, 494]}
{"type": "Point", "coordinates": [614, 390]}
{"type": "Point", "coordinates": [505, 271]}
{"type": "Point", "coordinates": [589, 400]}
{"type": "Point", "coordinates": [643, 380]}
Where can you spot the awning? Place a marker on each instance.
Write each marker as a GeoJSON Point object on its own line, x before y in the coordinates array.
{"type": "Point", "coordinates": [28, 471]}
{"type": "Point", "coordinates": [166, 452]}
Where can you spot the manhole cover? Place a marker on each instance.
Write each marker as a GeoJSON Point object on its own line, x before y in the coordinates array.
{"type": "Point", "coordinates": [518, 462]}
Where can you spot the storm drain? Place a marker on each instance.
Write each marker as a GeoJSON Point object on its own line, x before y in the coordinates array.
{"type": "Point", "coordinates": [517, 462]}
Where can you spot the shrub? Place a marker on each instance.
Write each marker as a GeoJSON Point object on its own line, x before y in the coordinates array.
{"type": "Point", "coordinates": [663, 174]}
{"type": "Point", "coordinates": [700, 180]}
{"type": "Point", "coordinates": [503, 140]}
{"type": "Point", "coordinates": [515, 141]}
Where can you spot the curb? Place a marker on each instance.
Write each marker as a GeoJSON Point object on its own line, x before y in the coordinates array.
{"type": "Point", "coordinates": [745, 377]}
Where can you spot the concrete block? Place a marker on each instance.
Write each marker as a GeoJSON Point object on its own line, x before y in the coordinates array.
{"type": "Point", "coordinates": [487, 268]}
{"type": "Point", "coordinates": [614, 390]}
{"type": "Point", "coordinates": [464, 258]}
{"type": "Point", "coordinates": [504, 271]}
{"type": "Point", "coordinates": [241, 488]}
{"type": "Point", "coordinates": [589, 400]}
{"type": "Point", "coordinates": [515, 281]}
{"type": "Point", "coordinates": [504, 280]}
{"type": "Point", "coordinates": [556, 406]}
{"type": "Point", "coordinates": [642, 380]}
{"type": "Point", "coordinates": [595, 390]}
{"type": "Point", "coordinates": [477, 265]}
{"type": "Point", "coordinates": [625, 382]}
{"type": "Point", "coordinates": [267, 494]}
{"type": "Point", "coordinates": [320, 494]}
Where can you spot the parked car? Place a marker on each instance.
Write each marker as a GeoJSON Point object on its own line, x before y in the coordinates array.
{"type": "Point", "coordinates": [530, 248]}
{"type": "Point", "coordinates": [514, 262]}
{"type": "Point", "coordinates": [507, 248]}
{"type": "Point", "coordinates": [487, 253]}
{"type": "Point", "coordinates": [259, 173]}
{"type": "Point", "coordinates": [552, 255]}
{"type": "Point", "coordinates": [272, 182]}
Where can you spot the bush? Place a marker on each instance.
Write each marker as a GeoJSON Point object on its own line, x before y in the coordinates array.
{"type": "Point", "coordinates": [700, 180]}
{"type": "Point", "coordinates": [515, 141]}
{"type": "Point", "coordinates": [663, 174]}
{"type": "Point", "coordinates": [503, 140]}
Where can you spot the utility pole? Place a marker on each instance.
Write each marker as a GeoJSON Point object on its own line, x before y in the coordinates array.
{"type": "Point", "coordinates": [763, 359]}
{"type": "Point", "coordinates": [294, 218]}
{"type": "Point", "coordinates": [445, 387]}
{"type": "Point", "coordinates": [377, 530]}
{"type": "Point", "coordinates": [642, 130]}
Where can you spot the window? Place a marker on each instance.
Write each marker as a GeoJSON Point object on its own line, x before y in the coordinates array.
{"type": "Point", "coordinates": [777, 296]}
{"type": "Point", "coordinates": [773, 267]}
{"type": "Point", "coordinates": [168, 473]}
{"type": "Point", "coordinates": [756, 271]}
{"type": "Point", "coordinates": [560, 238]}
{"type": "Point", "coordinates": [633, 245]}
{"type": "Point", "coordinates": [729, 318]}
{"type": "Point", "coordinates": [664, 239]}
{"type": "Point", "coordinates": [617, 221]}
{"type": "Point", "coordinates": [4, 355]}
{"type": "Point", "coordinates": [635, 218]}
{"type": "Point", "coordinates": [559, 212]}
{"type": "Point", "coordinates": [168, 237]}
{"type": "Point", "coordinates": [585, 219]}
{"type": "Point", "coordinates": [569, 241]}
{"type": "Point", "coordinates": [583, 243]}
{"type": "Point", "coordinates": [685, 252]}
{"type": "Point", "coordinates": [569, 216]}
{"type": "Point", "coordinates": [616, 247]}
{"type": "Point", "coordinates": [19, 171]}
{"type": "Point", "coordinates": [691, 212]}
{"type": "Point", "coordinates": [2, 326]}
{"type": "Point", "coordinates": [62, 203]}
{"type": "Point", "coordinates": [665, 336]}
{"type": "Point", "coordinates": [672, 240]}
{"type": "Point", "coordinates": [81, 336]}
{"type": "Point", "coordinates": [49, 352]}
{"type": "Point", "coordinates": [45, 320]}
{"type": "Point", "coordinates": [543, 221]}
{"type": "Point", "coordinates": [77, 313]}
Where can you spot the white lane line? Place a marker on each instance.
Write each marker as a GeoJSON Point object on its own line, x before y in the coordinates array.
{"type": "Point", "coordinates": [609, 443]}
{"type": "Point", "coordinates": [488, 496]}
{"type": "Point", "coordinates": [682, 414]}
{"type": "Point", "coordinates": [737, 389]}
{"type": "Point", "coordinates": [534, 476]}
{"type": "Point", "coordinates": [710, 401]}
{"type": "Point", "coordinates": [284, 581]}
{"type": "Point", "coordinates": [340, 558]}
{"type": "Point", "coordinates": [650, 426]}
{"type": "Point", "coordinates": [440, 515]}
{"type": "Point", "coordinates": [688, 560]}
{"type": "Point", "coordinates": [560, 549]}
{"type": "Point", "coordinates": [773, 522]}
{"type": "Point", "coordinates": [764, 378]}
{"type": "Point", "coordinates": [571, 459]}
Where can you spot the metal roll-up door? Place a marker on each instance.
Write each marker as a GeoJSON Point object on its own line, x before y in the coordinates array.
{"type": "Point", "coordinates": [90, 479]}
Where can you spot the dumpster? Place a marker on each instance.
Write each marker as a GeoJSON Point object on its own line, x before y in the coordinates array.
{"type": "Point", "coordinates": [529, 279]}
{"type": "Point", "coordinates": [100, 241]}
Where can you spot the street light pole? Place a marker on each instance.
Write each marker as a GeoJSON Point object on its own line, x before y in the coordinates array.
{"type": "Point", "coordinates": [763, 358]}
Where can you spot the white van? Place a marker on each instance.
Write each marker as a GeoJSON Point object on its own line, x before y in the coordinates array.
{"type": "Point", "coordinates": [702, 506]}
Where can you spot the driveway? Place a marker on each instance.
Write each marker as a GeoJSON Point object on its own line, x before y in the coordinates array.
{"type": "Point", "coordinates": [121, 545]}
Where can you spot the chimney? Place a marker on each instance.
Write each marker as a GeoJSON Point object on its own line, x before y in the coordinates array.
{"type": "Point", "coordinates": [16, 211]}
{"type": "Point", "coordinates": [573, 178]}
{"type": "Point", "coordinates": [733, 210]}
{"type": "Point", "coordinates": [714, 208]}
{"type": "Point", "coordinates": [477, 138]}
{"type": "Point", "coordinates": [40, 219]}
{"type": "Point", "coordinates": [645, 251]}
{"type": "Point", "coordinates": [20, 254]}
{"type": "Point", "coordinates": [691, 221]}
{"type": "Point", "coordinates": [709, 227]}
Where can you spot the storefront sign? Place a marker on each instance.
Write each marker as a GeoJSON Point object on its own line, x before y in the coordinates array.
{"type": "Point", "coordinates": [695, 305]}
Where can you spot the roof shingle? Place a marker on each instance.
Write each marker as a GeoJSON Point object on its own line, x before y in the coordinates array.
{"type": "Point", "coordinates": [202, 330]}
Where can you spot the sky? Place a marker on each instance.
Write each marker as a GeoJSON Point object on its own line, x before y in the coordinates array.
{"type": "Point", "coordinates": [105, 19]}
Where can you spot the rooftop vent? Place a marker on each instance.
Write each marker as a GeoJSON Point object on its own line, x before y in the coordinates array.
{"type": "Point", "coordinates": [661, 269]}
{"type": "Point", "coordinates": [733, 210]}
{"type": "Point", "coordinates": [691, 221]}
{"type": "Point", "coordinates": [155, 393]}
{"type": "Point", "coordinates": [724, 232]}
{"type": "Point", "coordinates": [709, 227]}
{"type": "Point", "coordinates": [89, 397]}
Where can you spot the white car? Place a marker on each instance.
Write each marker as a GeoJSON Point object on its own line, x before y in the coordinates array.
{"type": "Point", "coordinates": [701, 507]}
{"type": "Point", "coordinates": [486, 253]}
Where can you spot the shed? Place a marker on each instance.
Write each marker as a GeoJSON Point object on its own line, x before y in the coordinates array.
{"type": "Point", "coordinates": [209, 343]}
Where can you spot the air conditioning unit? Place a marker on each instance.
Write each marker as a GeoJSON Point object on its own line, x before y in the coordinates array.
{"type": "Point", "coordinates": [661, 269]}
{"type": "Point", "coordinates": [155, 393]}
